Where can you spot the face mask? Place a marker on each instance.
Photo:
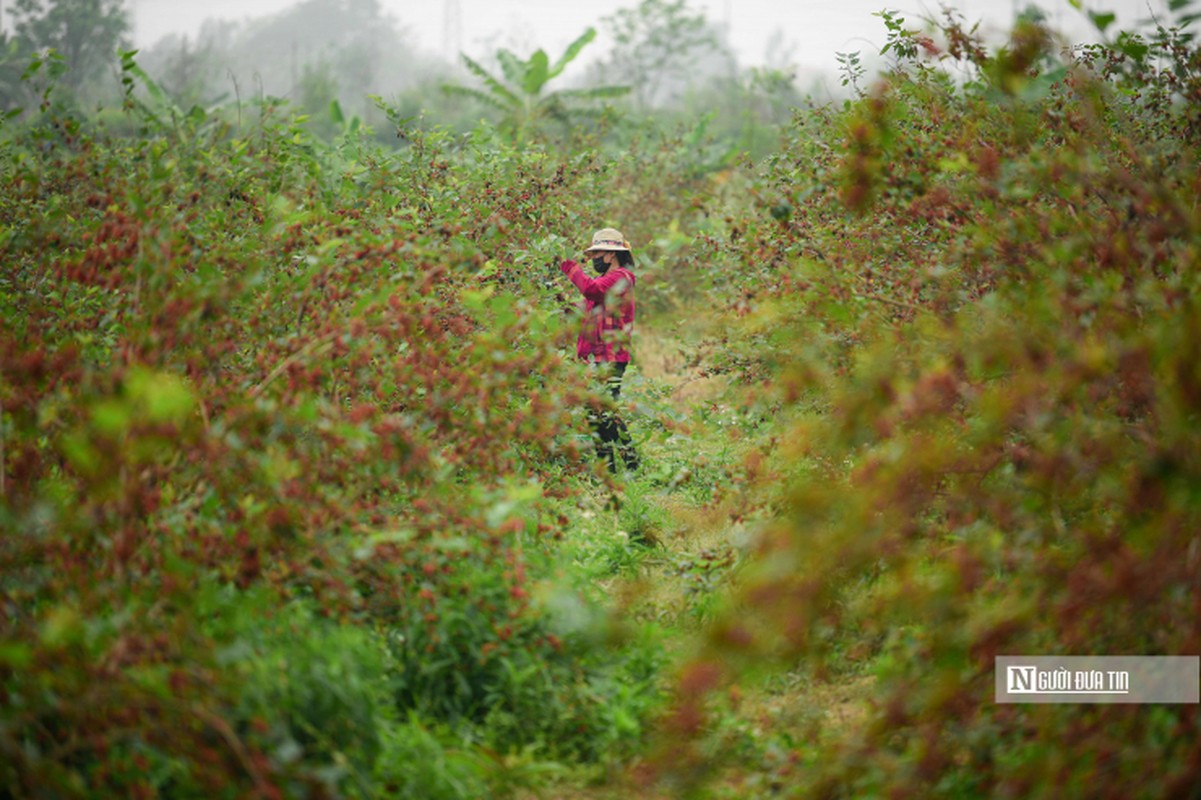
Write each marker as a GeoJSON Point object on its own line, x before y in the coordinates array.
{"type": "Point", "coordinates": [600, 266]}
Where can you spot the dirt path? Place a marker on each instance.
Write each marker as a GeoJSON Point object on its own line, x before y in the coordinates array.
{"type": "Point", "coordinates": [671, 584]}
{"type": "Point", "coordinates": [662, 354]}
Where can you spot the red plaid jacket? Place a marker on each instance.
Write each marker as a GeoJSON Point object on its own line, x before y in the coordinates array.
{"type": "Point", "coordinates": [608, 312]}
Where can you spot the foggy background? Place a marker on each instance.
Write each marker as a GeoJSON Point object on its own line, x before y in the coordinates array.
{"type": "Point", "coordinates": [811, 30]}
{"type": "Point", "coordinates": [739, 67]}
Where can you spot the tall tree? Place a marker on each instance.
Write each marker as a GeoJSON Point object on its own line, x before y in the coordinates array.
{"type": "Point", "coordinates": [86, 33]}
{"type": "Point", "coordinates": [662, 47]}
{"type": "Point", "coordinates": [355, 46]}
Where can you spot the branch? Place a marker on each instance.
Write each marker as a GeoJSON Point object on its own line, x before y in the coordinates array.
{"type": "Point", "coordinates": [888, 300]}
{"type": "Point", "coordinates": [235, 744]}
{"type": "Point", "coordinates": [309, 349]}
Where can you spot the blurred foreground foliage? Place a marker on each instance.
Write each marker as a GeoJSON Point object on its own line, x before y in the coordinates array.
{"type": "Point", "coordinates": [974, 305]}
{"type": "Point", "coordinates": [287, 427]}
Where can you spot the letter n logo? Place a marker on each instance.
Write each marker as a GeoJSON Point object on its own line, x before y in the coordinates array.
{"type": "Point", "coordinates": [1021, 680]}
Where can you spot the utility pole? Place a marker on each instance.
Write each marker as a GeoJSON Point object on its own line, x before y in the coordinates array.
{"type": "Point", "coordinates": [452, 30]}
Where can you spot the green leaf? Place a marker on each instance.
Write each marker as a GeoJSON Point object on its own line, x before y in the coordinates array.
{"type": "Point", "coordinates": [156, 92]}
{"type": "Point", "coordinates": [536, 73]}
{"type": "Point", "coordinates": [162, 396]}
{"type": "Point", "coordinates": [499, 89]}
{"type": "Point", "coordinates": [111, 417]}
{"type": "Point", "coordinates": [595, 93]}
{"type": "Point", "coordinates": [58, 64]}
{"type": "Point", "coordinates": [80, 454]}
{"type": "Point", "coordinates": [476, 299]}
{"type": "Point", "coordinates": [1102, 20]}
{"type": "Point", "coordinates": [1133, 47]}
{"type": "Point", "coordinates": [502, 307]}
{"type": "Point", "coordinates": [475, 94]}
{"type": "Point", "coordinates": [35, 64]}
{"type": "Point", "coordinates": [513, 67]}
{"type": "Point", "coordinates": [572, 51]}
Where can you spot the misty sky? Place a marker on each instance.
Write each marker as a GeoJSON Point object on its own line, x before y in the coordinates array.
{"type": "Point", "coordinates": [813, 30]}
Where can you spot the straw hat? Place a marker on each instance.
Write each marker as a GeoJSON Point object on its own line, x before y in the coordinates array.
{"type": "Point", "coordinates": [608, 239]}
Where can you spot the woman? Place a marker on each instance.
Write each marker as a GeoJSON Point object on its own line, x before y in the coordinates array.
{"type": "Point", "coordinates": [608, 324]}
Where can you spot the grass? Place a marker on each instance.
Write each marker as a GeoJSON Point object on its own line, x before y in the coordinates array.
{"type": "Point", "coordinates": [668, 552]}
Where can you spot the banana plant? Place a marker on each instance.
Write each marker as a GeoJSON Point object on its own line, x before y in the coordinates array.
{"type": "Point", "coordinates": [519, 95]}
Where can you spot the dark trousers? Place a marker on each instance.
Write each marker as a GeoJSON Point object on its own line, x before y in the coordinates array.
{"type": "Point", "coordinates": [612, 437]}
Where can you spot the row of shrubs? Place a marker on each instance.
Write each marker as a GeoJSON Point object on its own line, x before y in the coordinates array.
{"type": "Point", "coordinates": [288, 428]}
{"type": "Point", "coordinates": [969, 299]}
